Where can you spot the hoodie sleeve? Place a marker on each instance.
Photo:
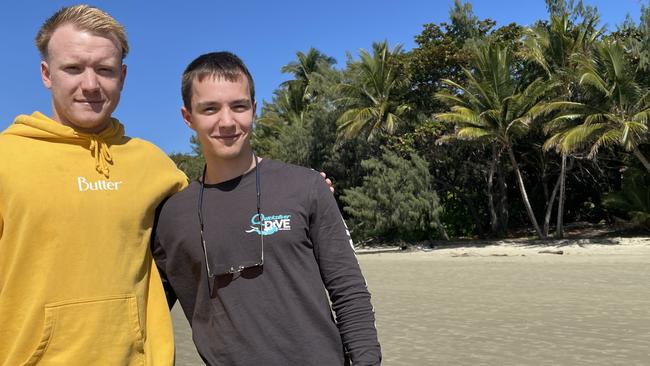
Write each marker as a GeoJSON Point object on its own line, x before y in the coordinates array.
{"type": "Point", "coordinates": [342, 277]}
{"type": "Point", "coordinates": [2, 219]}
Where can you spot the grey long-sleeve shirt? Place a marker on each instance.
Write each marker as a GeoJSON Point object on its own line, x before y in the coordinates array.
{"type": "Point", "coordinates": [278, 314]}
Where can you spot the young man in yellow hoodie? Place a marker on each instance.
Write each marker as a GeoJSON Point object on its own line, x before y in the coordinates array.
{"type": "Point", "coordinates": [77, 198]}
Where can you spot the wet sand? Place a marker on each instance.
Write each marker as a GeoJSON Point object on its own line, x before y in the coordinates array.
{"type": "Point", "coordinates": [506, 303]}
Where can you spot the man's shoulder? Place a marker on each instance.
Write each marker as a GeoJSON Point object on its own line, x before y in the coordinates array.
{"type": "Point", "coordinates": [148, 153]}
{"type": "Point", "coordinates": [8, 139]}
{"type": "Point", "coordinates": [180, 202]}
{"type": "Point", "coordinates": [289, 171]}
{"type": "Point", "coordinates": [12, 146]}
{"type": "Point", "coordinates": [177, 214]}
{"type": "Point", "coordinates": [144, 146]}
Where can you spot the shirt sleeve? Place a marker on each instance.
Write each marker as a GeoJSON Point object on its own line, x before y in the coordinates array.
{"type": "Point", "coordinates": [160, 257]}
{"type": "Point", "coordinates": [342, 277]}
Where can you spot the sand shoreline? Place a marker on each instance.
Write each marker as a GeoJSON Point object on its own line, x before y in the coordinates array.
{"type": "Point", "coordinates": [530, 248]}
{"type": "Point", "coordinates": [504, 303]}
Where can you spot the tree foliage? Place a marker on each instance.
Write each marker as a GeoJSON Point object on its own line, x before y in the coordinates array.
{"type": "Point", "coordinates": [482, 127]}
{"type": "Point", "coordinates": [191, 164]}
{"type": "Point", "coordinates": [396, 200]}
{"type": "Point", "coordinates": [633, 200]}
{"type": "Point", "coordinates": [370, 99]}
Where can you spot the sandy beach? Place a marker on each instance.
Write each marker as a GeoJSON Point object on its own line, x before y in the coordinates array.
{"type": "Point", "coordinates": [510, 302]}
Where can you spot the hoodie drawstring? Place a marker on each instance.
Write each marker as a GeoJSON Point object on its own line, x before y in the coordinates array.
{"type": "Point", "coordinates": [39, 126]}
{"type": "Point", "coordinates": [99, 150]}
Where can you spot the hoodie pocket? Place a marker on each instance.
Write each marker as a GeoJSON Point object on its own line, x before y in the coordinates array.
{"type": "Point", "coordinates": [96, 331]}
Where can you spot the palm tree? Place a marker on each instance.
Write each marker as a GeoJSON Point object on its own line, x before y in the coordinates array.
{"type": "Point", "coordinates": [305, 68]}
{"type": "Point", "coordinates": [555, 47]}
{"type": "Point", "coordinates": [294, 98]}
{"type": "Point", "coordinates": [307, 64]}
{"type": "Point", "coordinates": [493, 107]}
{"type": "Point", "coordinates": [288, 108]}
{"type": "Point", "coordinates": [616, 113]}
{"type": "Point", "coordinates": [370, 100]}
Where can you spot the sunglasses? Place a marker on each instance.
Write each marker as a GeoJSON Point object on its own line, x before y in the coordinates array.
{"type": "Point", "coordinates": [230, 269]}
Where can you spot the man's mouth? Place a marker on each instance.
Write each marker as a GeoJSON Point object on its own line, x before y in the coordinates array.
{"type": "Point", "coordinates": [227, 137]}
{"type": "Point", "coordinates": [89, 102]}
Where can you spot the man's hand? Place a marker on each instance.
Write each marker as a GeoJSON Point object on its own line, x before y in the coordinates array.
{"type": "Point", "coordinates": [328, 181]}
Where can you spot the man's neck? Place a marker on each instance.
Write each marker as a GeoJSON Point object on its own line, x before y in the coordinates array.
{"type": "Point", "coordinates": [221, 170]}
{"type": "Point", "coordinates": [89, 131]}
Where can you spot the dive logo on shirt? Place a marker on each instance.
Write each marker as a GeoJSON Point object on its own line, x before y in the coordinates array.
{"type": "Point", "coordinates": [269, 224]}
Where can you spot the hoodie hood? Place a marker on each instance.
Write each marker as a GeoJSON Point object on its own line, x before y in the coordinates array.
{"type": "Point", "coordinates": [39, 126]}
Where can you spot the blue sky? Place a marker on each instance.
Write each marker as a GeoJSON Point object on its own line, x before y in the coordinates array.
{"type": "Point", "coordinates": [166, 35]}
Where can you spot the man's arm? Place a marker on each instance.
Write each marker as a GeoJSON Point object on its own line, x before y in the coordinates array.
{"type": "Point", "coordinates": [160, 257]}
{"type": "Point", "coordinates": [342, 277]}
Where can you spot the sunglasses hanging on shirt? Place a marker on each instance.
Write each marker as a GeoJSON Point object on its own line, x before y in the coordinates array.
{"type": "Point", "coordinates": [231, 269]}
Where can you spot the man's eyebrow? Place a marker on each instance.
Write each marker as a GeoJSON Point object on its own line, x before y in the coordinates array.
{"type": "Point", "coordinates": [206, 104]}
{"type": "Point", "coordinates": [242, 101]}
{"type": "Point", "coordinates": [209, 103]}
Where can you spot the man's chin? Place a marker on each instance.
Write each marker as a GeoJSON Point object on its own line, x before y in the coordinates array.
{"type": "Point", "coordinates": [228, 154]}
{"type": "Point", "coordinates": [90, 125]}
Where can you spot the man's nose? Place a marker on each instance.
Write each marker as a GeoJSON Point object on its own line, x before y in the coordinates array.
{"type": "Point", "coordinates": [89, 81]}
{"type": "Point", "coordinates": [226, 118]}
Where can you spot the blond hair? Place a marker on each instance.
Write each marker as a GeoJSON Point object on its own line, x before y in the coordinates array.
{"type": "Point", "coordinates": [83, 17]}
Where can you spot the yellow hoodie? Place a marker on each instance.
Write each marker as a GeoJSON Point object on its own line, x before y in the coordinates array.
{"type": "Point", "coordinates": [78, 285]}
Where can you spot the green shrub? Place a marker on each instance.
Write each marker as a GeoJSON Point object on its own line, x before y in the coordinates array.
{"type": "Point", "coordinates": [633, 201]}
{"type": "Point", "coordinates": [395, 202]}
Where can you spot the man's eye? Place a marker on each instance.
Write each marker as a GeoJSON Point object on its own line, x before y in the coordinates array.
{"type": "Point", "coordinates": [72, 69]}
{"type": "Point", "coordinates": [105, 71]}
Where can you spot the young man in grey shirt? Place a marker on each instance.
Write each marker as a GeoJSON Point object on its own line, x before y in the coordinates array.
{"type": "Point", "coordinates": [253, 250]}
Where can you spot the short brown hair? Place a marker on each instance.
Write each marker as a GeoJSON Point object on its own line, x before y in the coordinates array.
{"type": "Point", "coordinates": [224, 65]}
{"type": "Point", "coordinates": [84, 17]}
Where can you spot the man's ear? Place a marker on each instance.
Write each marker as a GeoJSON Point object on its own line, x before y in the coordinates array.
{"type": "Point", "coordinates": [187, 117]}
{"type": "Point", "coordinates": [45, 74]}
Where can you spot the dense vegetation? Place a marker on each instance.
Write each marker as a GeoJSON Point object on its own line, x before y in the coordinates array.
{"type": "Point", "coordinates": [477, 131]}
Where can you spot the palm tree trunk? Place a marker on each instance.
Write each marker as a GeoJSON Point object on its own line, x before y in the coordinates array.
{"type": "Point", "coordinates": [639, 155]}
{"type": "Point", "coordinates": [549, 206]}
{"type": "Point", "coordinates": [524, 196]}
{"type": "Point", "coordinates": [559, 230]}
{"type": "Point", "coordinates": [494, 222]}
{"type": "Point", "coordinates": [502, 205]}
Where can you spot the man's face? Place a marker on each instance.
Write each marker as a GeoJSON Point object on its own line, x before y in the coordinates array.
{"type": "Point", "coordinates": [85, 74]}
{"type": "Point", "coordinates": [222, 115]}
